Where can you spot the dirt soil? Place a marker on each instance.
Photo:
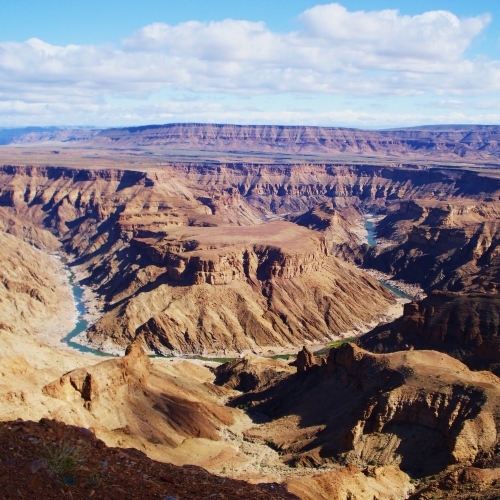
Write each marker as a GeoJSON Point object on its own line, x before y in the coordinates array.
{"type": "Point", "coordinates": [49, 460]}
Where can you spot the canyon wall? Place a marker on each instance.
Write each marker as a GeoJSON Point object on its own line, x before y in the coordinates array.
{"type": "Point", "coordinates": [446, 142]}
{"type": "Point", "coordinates": [188, 257]}
{"type": "Point", "coordinates": [190, 265]}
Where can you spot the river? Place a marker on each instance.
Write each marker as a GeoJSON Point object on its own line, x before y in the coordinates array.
{"type": "Point", "coordinates": [81, 324]}
{"type": "Point", "coordinates": [370, 237]}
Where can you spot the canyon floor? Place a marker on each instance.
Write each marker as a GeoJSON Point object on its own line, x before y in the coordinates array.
{"type": "Point", "coordinates": [242, 243]}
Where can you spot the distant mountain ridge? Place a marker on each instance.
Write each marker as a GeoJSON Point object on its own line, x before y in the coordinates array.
{"type": "Point", "coordinates": [443, 142]}
{"type": "Point", "coordinates": [26, 135]}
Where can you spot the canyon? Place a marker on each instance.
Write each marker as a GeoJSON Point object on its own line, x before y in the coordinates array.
{"type": "Point", "coordinates": [221, 241]}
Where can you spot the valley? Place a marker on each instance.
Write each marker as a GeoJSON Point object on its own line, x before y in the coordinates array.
{"type": "Point", "coordinates": [205, 241]}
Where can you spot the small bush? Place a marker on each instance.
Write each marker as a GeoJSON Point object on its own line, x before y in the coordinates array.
{"type": "Point", "coordinates": [63, 458]}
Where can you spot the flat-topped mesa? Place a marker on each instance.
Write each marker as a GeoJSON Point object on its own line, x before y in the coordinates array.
{"type": "Point", "coordinates": [451, 142]}
{"type": "Point", "coordinates": [219, 255]}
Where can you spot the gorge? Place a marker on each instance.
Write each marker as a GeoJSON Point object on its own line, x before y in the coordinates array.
{"type": "Point", "coordinates": [249, 242]}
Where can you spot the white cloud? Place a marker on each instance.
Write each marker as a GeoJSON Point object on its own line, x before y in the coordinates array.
{"type": "Point", "coordinates": [378, 53]}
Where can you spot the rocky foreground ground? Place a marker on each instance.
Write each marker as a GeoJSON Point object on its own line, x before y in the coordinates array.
{"type": "Point", "coordinates": [51, 461]}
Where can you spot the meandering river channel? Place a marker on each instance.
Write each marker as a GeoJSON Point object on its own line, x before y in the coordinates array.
{"type": "Point", "coordinates": [82, 323]}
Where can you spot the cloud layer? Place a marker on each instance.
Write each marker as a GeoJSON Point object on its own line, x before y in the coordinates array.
{"type": "Point", "coordinates": [334, 52]}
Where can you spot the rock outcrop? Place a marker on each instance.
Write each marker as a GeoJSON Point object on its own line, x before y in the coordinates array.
{"type": "Point", "coordinates": [421, 410]}
{"type": "Point", "coordinates": [124, 390]}
{"type": "Point", "coordinates": [466, 327]}
{"type": "Point", "coordinates": [305, 360]}
{"type": "Point", "coordinates": [251, 373]}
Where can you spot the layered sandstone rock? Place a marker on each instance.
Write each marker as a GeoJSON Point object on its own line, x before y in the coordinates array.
{"type": "Point", "coordinates": [442, 245]}
{"type": "Point", "coordinates": [439, 142]}
{"type": "Point", "coordinates": [32, 291]}
{"type": "Point", "coordinates": [231, 289]}
{"type": "Point", "coordinates": [373, 483]}
{"type": "Point", "coordinates": [466, 327]}
{"type": "Point", "coordinates": [421, 410]}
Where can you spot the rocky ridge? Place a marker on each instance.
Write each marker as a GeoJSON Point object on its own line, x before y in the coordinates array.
{"type": "Point", "coordinates": [478, 142]}
{"type": "Point", "coordinates": [420, 410]}
{"type": "Point", "coordinates": [464, 326]}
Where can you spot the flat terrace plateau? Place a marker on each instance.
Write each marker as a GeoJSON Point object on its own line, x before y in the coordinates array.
{"type": "Point", "coordinates": [149, 146]}
{"type": "Point", "coordinates": [283, 235]}
{"type": "Point", "coordinates": [152, 157]}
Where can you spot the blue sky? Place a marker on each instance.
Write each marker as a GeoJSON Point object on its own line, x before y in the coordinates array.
{"type": "Point", "coordinates": [367, 64]}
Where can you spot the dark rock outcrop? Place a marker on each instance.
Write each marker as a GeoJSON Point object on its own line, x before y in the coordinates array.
{"type": "Point", "coordinates": [305, 360]}
{"type": "Point", "coordinates": [466, 327]}
{"type": "Point", "coordinates": [422, 410]}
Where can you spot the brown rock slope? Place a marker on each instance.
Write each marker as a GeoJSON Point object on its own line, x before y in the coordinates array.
{"type": "Point", "coordinates": [465, 326]}
{"type": "Point", "coordinates": [444, 245]}
{"type": "Point", "coordinates": [341, 228]}
{"type": "Point", "coordinates": [49, 461]}
{"type": "Point", "coordinates": [372, 483]}
{"type": "Point", "coordinates": [235, 288]}
{"type": "Point", "coordinates": [31, 292]}
{"type": "Point", "coordinates": [420, 410]}
{"type": "Point", "coordinates": [128, 400]}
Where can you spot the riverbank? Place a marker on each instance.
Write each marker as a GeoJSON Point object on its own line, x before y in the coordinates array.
{"type": "Point", "coordinates": [68, 315]}
{"type": "Point", "coordinates": [413, 290]}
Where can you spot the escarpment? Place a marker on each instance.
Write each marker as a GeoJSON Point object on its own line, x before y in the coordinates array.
{"type": "Point", "coordinates": [446, 142]}
{"type": "Point", "coordinates": [33, 295]}
{"type": "Point", "coordinates": [450, 245]}
{"type": "Point", "coordinates": [231, 289]}
{"type": "Point", "coordinates": [466, 327]}
{"type": "Point", "coordinates": [421, 410]}
{"type": "Point", "coordinates": [165, 248]}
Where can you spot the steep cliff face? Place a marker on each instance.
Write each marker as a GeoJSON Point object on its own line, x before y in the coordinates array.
{"type": "Point", "coordinates": [421, 410]}
{"type": "Point", "coordinates": [155, 243]}
{"type": "Point", "coordinates": [442, 245]}
{"type": "Point", "coordinates": [464, 326]}
{"type": "Point", "coordinates": [438, 142]}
